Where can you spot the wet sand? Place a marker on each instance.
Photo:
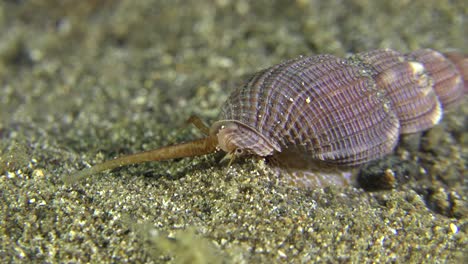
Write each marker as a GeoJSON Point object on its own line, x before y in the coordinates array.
{"type": "Point", "coordinates": [83, 82]}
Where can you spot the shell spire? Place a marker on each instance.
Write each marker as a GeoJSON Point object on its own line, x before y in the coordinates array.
{"type": "Point", "coordinates": [447, 78]}
{"type": "Point", "coordinates": [408, 86]}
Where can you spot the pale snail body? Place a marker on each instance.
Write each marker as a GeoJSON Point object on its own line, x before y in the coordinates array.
{"type": "Point", "coordinates": [341, 112]}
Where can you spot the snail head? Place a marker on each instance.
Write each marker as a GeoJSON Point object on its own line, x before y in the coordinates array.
{"type": "Point", "coordinates": [237, 139]}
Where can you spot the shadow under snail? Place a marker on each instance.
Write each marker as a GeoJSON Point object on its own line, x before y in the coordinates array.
{"type": "Point", "coordinates": [326, 110]}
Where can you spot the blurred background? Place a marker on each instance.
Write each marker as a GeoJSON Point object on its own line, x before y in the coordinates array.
{"type": "Point", "coordinates": [84, 81]}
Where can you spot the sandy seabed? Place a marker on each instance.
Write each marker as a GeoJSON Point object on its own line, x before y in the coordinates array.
{"type": "Point", "coordinates": [85, 81]}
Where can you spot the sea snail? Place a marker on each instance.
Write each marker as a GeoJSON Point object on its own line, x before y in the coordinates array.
{"type": "Point", "coordinates": [327, 110]}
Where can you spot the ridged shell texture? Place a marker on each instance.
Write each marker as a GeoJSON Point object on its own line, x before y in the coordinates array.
{"type": "Point", "coordinates": [348, 111]}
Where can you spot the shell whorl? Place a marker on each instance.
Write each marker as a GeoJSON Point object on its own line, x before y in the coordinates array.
{"type": "Point", "coordinates": [345, 111]}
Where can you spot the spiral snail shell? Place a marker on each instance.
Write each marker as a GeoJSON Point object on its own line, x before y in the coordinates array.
{"type": "Point", "coordinates": [328, 110]}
